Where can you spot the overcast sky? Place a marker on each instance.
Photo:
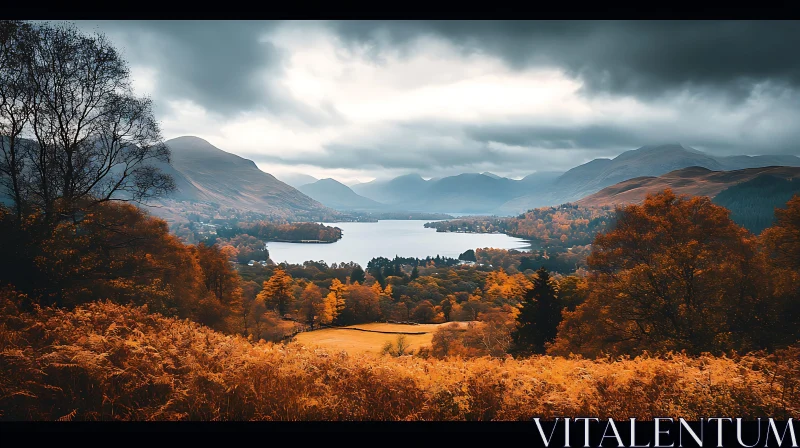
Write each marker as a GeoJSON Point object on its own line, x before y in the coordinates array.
{"type": "Point", "coordinates": [358, 100]}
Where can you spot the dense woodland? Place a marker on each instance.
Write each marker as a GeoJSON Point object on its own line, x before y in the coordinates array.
{"type": "Point", "coordinates": [269, 231]}
{"type": "Point", "coordinates": [560, 236]}
{"type": "Point", "coordinates": [105, 314]}
{"type": "Point", "coordinates": [752, 203]}
{"type": "Point", "coordinates": [556, 227]}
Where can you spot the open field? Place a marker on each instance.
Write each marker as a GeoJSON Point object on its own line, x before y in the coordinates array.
{"type": "Point", "coordinates": [369, 338]}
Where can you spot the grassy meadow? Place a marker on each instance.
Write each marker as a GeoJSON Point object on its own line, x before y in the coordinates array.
{"type": "Point", "coordinates": [368, 338]}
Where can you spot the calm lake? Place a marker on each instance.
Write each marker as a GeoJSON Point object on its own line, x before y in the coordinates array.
{"type": "Point", "coordinates": [362, 241]}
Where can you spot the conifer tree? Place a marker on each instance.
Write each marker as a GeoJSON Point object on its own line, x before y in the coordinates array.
{"type": "Point", "coordinates": [358, 275]}
{"type": "Point", "coordinates": [540, 314]}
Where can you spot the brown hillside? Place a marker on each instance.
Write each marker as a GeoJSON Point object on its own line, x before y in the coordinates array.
{"type": "Point", "coordinates": [695, 180]}
{"type": "Point", "coordinates": [206, 173]}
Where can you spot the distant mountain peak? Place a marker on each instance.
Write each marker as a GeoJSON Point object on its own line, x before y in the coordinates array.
{"type": "Point", "coordinates": [190, 138]}
{"type": "Point", "coordinates": [492, 175]}
{"type": "Point", "coordinates": [337, 195]}
{"type": "Point", "coordinates": [330, 180]}
{"type": "Point", "coordinates": [672, 147]}
{"type": "Point", "coordinates": [410, 176]}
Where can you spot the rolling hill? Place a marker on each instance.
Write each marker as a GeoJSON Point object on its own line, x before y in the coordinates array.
{"type": "Point", "coordinates": [697, 181]}
{"type": "Point", "coordinates": [336, 195]}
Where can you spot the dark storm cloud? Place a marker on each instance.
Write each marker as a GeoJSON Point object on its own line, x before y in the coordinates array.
{"type": "Point", "coordinates": [388, 156]}
{"type": "Point", "coordinates": [394, 155]}
{"type": "Point", "coordinates": [642, 58]}
{"type": "Point", "coordinates": [723, 87]}
{"type": "Point", "coordinates": [418, 146]}
{"type": "Point", "coordinates": [552, 137]}
{"type": "Point", "coordinates": [226, 67]}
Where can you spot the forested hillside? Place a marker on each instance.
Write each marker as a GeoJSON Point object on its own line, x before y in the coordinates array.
{"type": "Point", "coordinates": [753, 203]}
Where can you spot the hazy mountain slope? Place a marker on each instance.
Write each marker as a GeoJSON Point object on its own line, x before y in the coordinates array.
{"type": "Point", "coordinates": [339, 196]}
{"type": "Point", "coordinates": [213, 175]}
{"type": "Point", "coordinates": [464, 193]}
{"type": "Point", "coordinates": [532, 191]}
{"type": "Point", "coordinates": [696, 181]}
{"type": "Point", "coordinates": [645, 161]}
{"type": "Point", "coordinates": [393, 191]}
{"type": "Point", "coordinates": [472, 193]}
{"type": "Point", "coordinates": [296, 180]}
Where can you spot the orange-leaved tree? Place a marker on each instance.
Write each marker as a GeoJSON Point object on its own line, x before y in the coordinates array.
{"type": "Point", "coordinates": [675, 273]}
{"type": "Point", "coordinates": [277, 292]}
{"type": "Point", "coordinates": [782, 249]}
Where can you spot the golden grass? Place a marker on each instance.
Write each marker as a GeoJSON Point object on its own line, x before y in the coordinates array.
{"type": "Point", "coordinates": [354, 342]}
{"type": "Point", "coordinates": [103, 361]}
{"type": "Point", "coordinates": [397, 328]}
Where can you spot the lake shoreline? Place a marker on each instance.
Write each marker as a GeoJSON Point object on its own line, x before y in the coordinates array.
{"type": "Point", "coordinates": [362, 242]}
{"type": "Point", "coordinates": [302, 241]}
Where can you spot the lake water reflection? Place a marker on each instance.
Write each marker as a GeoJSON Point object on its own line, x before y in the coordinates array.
{"type": "Point", "coordinates": [362, 241]}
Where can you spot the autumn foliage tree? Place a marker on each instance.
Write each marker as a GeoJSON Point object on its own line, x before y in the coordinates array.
{"type": "Point", "coordinates": [119, 253]}
{"type": "Point", "coordinates": [219, 279]}
{"type": "Point", "coordinates": [314, 308]}
{"type": "Point", "coordinates": [76, 143]}
{"type": "Point", "coordinates": [781, 244]}
{"type": "Point", "coordinates": [675, 273]}
{"type": "Point", "coordinates": [277, 292]}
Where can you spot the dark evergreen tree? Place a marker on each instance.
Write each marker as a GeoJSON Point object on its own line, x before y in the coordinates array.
{"type": "Point", "coordinates": [414, 273]}
{"type": "Point", "coordinates": [378, 274]}
{"type": "Point", "coordinates": [468, 255]}
{"type": "Point", "coordinates": [358, 275]}
{"type": "Point", "coordinates": [526, 263]}
{"type": "Point", "coordinates": [539, 317]}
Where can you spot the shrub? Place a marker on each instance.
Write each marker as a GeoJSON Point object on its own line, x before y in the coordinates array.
{"type": "Point", "coordinates": [105, 361]}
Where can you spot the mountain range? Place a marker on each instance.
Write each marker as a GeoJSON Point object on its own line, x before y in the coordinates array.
{"type": "Point", "coordinates": [591, 177]}
{"type": "Point", "coordinates": [492, 194]}
{"type": "Point", "coordinates": [205, 173]}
